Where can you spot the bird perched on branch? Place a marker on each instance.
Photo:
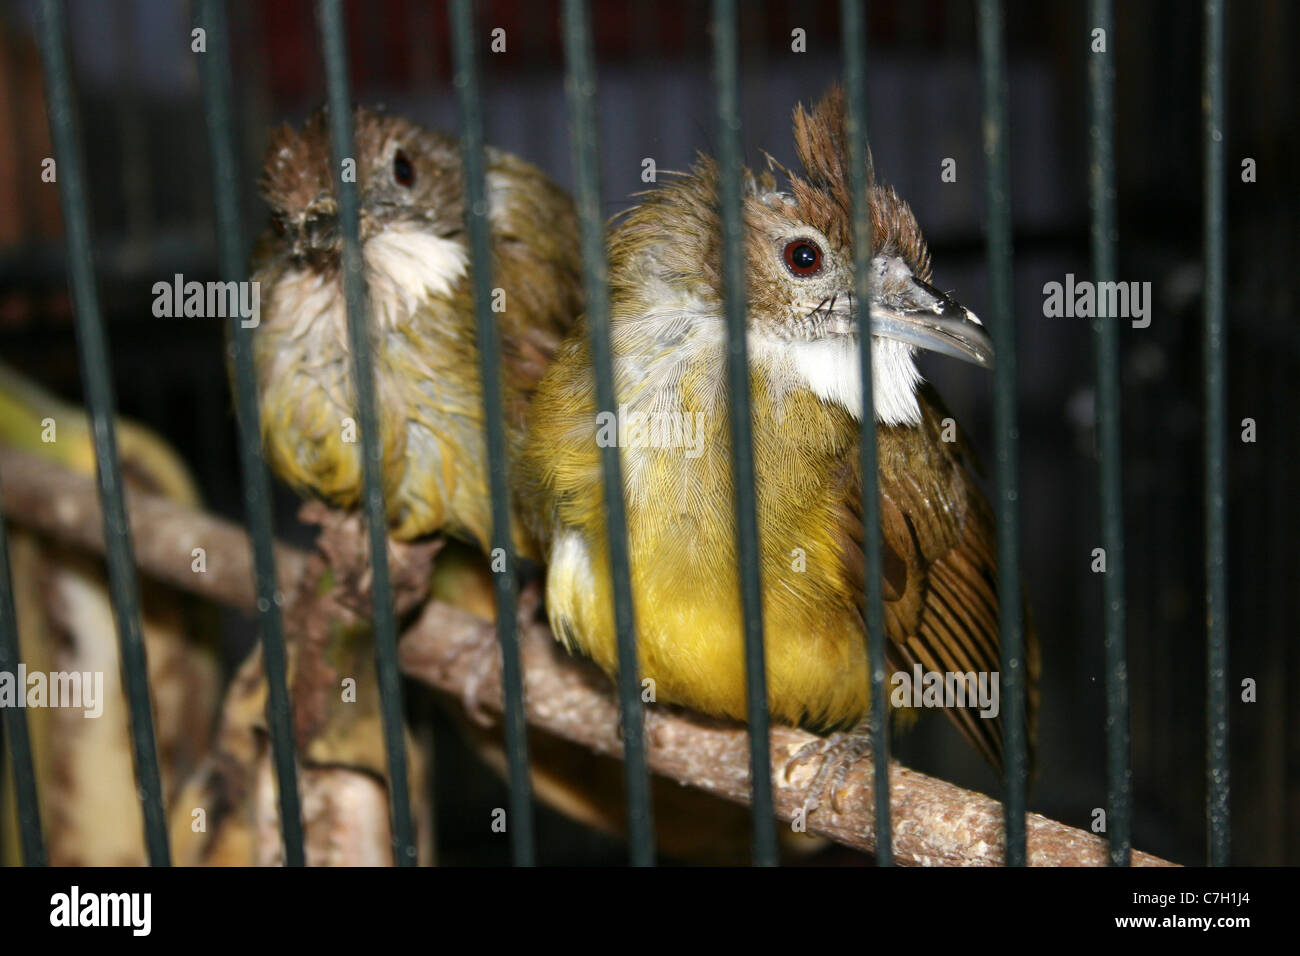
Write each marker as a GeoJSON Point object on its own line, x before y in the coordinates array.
{"type": "Point", "coordinates": [670, 365]}
{"type": "Point", "coordinates": [416, 254]}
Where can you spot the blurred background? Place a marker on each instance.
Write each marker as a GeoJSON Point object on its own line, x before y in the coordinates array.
{"type": "Point", "coordinates": [152, 214]}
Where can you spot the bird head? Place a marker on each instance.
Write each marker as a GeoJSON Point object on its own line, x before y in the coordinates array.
{"type": "Point", "coordinates": [803, 315]}
{"type": "Point", "coordinates": [408, 179]}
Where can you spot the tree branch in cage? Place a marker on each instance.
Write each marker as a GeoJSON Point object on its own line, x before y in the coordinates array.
{"type": "Point", "coordinates": [935, 823]}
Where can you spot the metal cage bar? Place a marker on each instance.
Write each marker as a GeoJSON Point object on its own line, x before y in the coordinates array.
{"type": "Point", "coordinates": [93, 354]}
{"type": "Point", "coordinates": [581, 85]}
{"type": "Point", "coordinates": [1101, 186]}
{"type": "Point", "coordinates": [1002, 327]}
{"type": "Point", "coordinates": [214, 75]}
{"type": "Point", "coordinates": [333, 45]}
{"type": "Point", "coordinates": [1216, 478]}
{"type": "Point", "coordinates": [727, 66]}
{"type": "Point", "coordinates": [853, 27]}
{"type": "Point", "coordinates": [520, 827]}
{"type": "Point", "coordinates": [15, 720]}
{"type": "Point", "coordinates": [580, 77]}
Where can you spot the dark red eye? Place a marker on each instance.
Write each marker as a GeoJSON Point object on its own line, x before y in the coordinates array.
{"type": "Point", "coordinates": [403, 171]}
{"type": "Point", "coordinates": [803, 257]}
{"type": "Point", "coordinates": [278, 225]}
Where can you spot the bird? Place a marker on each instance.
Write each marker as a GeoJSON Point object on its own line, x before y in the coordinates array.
{"type": "Point", "coordinates": [668, 334]}
{"type": "Point", "coordinates": [429, 395]}
{"type": "Point", "coordinates": [418, 267]}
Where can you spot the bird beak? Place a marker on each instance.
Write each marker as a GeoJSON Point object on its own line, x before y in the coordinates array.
{"type": "Point", "coordinates": [926, 318]}
{"type": "Point", "coordinates": [318, 228]}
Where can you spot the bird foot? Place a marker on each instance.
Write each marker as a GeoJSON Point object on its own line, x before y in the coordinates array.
{"type": "Point", "coordinates": [838, 753]}
{"type": "Point", "coordinates": [484, 654]}
{"type": "Point", "coordinates": [656, 720]}
{"type": "Point", "coordinates": [345, 544]}
{"type": "Point", "coordinates": [410, 569]}
{"type": "Point", "coordinates": [529, 602]}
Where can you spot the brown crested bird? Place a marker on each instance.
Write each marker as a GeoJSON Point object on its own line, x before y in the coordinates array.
{"type": "Point", "coordinates": [416, 254]}
{"type": "Point", "coordinates": [426, 361]}
{"type": "Point", "coordinates": [670, 365]}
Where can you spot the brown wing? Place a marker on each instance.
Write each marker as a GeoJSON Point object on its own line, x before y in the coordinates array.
{"type": "Point", "coordinates": [535, 239]}
{"type": "Point", "coordinates": [939, 556]}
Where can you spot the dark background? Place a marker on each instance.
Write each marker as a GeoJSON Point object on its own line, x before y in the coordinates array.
{"type": "Point", "coordinates": [152, 213]}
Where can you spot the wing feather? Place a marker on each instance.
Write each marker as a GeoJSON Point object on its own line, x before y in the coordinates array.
{"type": "Point", "coordinates": [939, 546]}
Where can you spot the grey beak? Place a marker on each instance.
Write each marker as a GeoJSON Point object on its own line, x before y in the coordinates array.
{"type": "Point", "coordinates": [926, 318]}
{"type": "Point", "coordinates": [318, 227]}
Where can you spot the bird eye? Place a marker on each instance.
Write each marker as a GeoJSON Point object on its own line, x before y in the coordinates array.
{"type": "Point", "coordinates": [803, 257]}
{"type": "Point", "coordinates": [278, 225]}
{"type": "Point", "coordinates": [403, 171]}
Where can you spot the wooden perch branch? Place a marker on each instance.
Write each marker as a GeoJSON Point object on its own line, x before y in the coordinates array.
{"type": "Point", "coordinates": [934, 822]}
{"type": "Point", "coordinates": [65, 506]}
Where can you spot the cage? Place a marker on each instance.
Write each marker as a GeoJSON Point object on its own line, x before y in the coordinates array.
{"type": "Point", "coordinates": [1138, 469]}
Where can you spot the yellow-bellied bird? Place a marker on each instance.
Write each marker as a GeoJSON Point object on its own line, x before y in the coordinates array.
{"type": "Point", "coordinates": [670, 364]}
{"type": "Point", "coordinates": [417, 262]}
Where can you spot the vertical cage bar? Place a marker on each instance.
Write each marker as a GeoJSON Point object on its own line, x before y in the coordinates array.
{"type": "Point", "coordinates": [727, 64]}
{"type": "Point", "coordinates": [1216, 481]}
{"type": "Point", "coordinates": [15, 720]}
{"type": "Point", "coordinates": [581, 84]}
{"type": "Point", "coordinates": [993, 90]}
{"type": "Point", "coordinates": [98, 385]}
{"type": "Point", "coordinates": [489, 347]}
{"type": "Point", "coordinates": [214, 76]}
{"type": "Point", "coordinates": [1101, 185]}
{"type": "Point", "coordinates": [853, 15]}
{"type": "Point", "coordinates": [333, 42]}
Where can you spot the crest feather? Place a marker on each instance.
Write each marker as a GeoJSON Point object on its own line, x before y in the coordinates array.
{"type": "Point", "coordinates": [824, 194]}
{"type": "Point", "coordinates": [821, 143]}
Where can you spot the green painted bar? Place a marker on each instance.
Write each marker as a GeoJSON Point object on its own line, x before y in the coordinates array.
{"type": "Point", "coordinates": [853, 15]}
{"type": "Point", "coordinates": [15, 721]}
{"type": "Point", "coordinates": [334, 46]}
{"type": "Point", "coordinates": [521, 827]}
{"type": "Point", "coordinates": [580, 83]}
{"type": "Point", "coordinates": [727, 65]}
{"type": "Point", "coordinates": [214, 76]}
{"type": "Point", "coordinates": [1002, 327]}
{"type": "Point", "coordinates": [93, 353]}
{"type": "Point", "coordinates": [1214, 104]}
{"type": "Point", "coordinates": [1102, 197]}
